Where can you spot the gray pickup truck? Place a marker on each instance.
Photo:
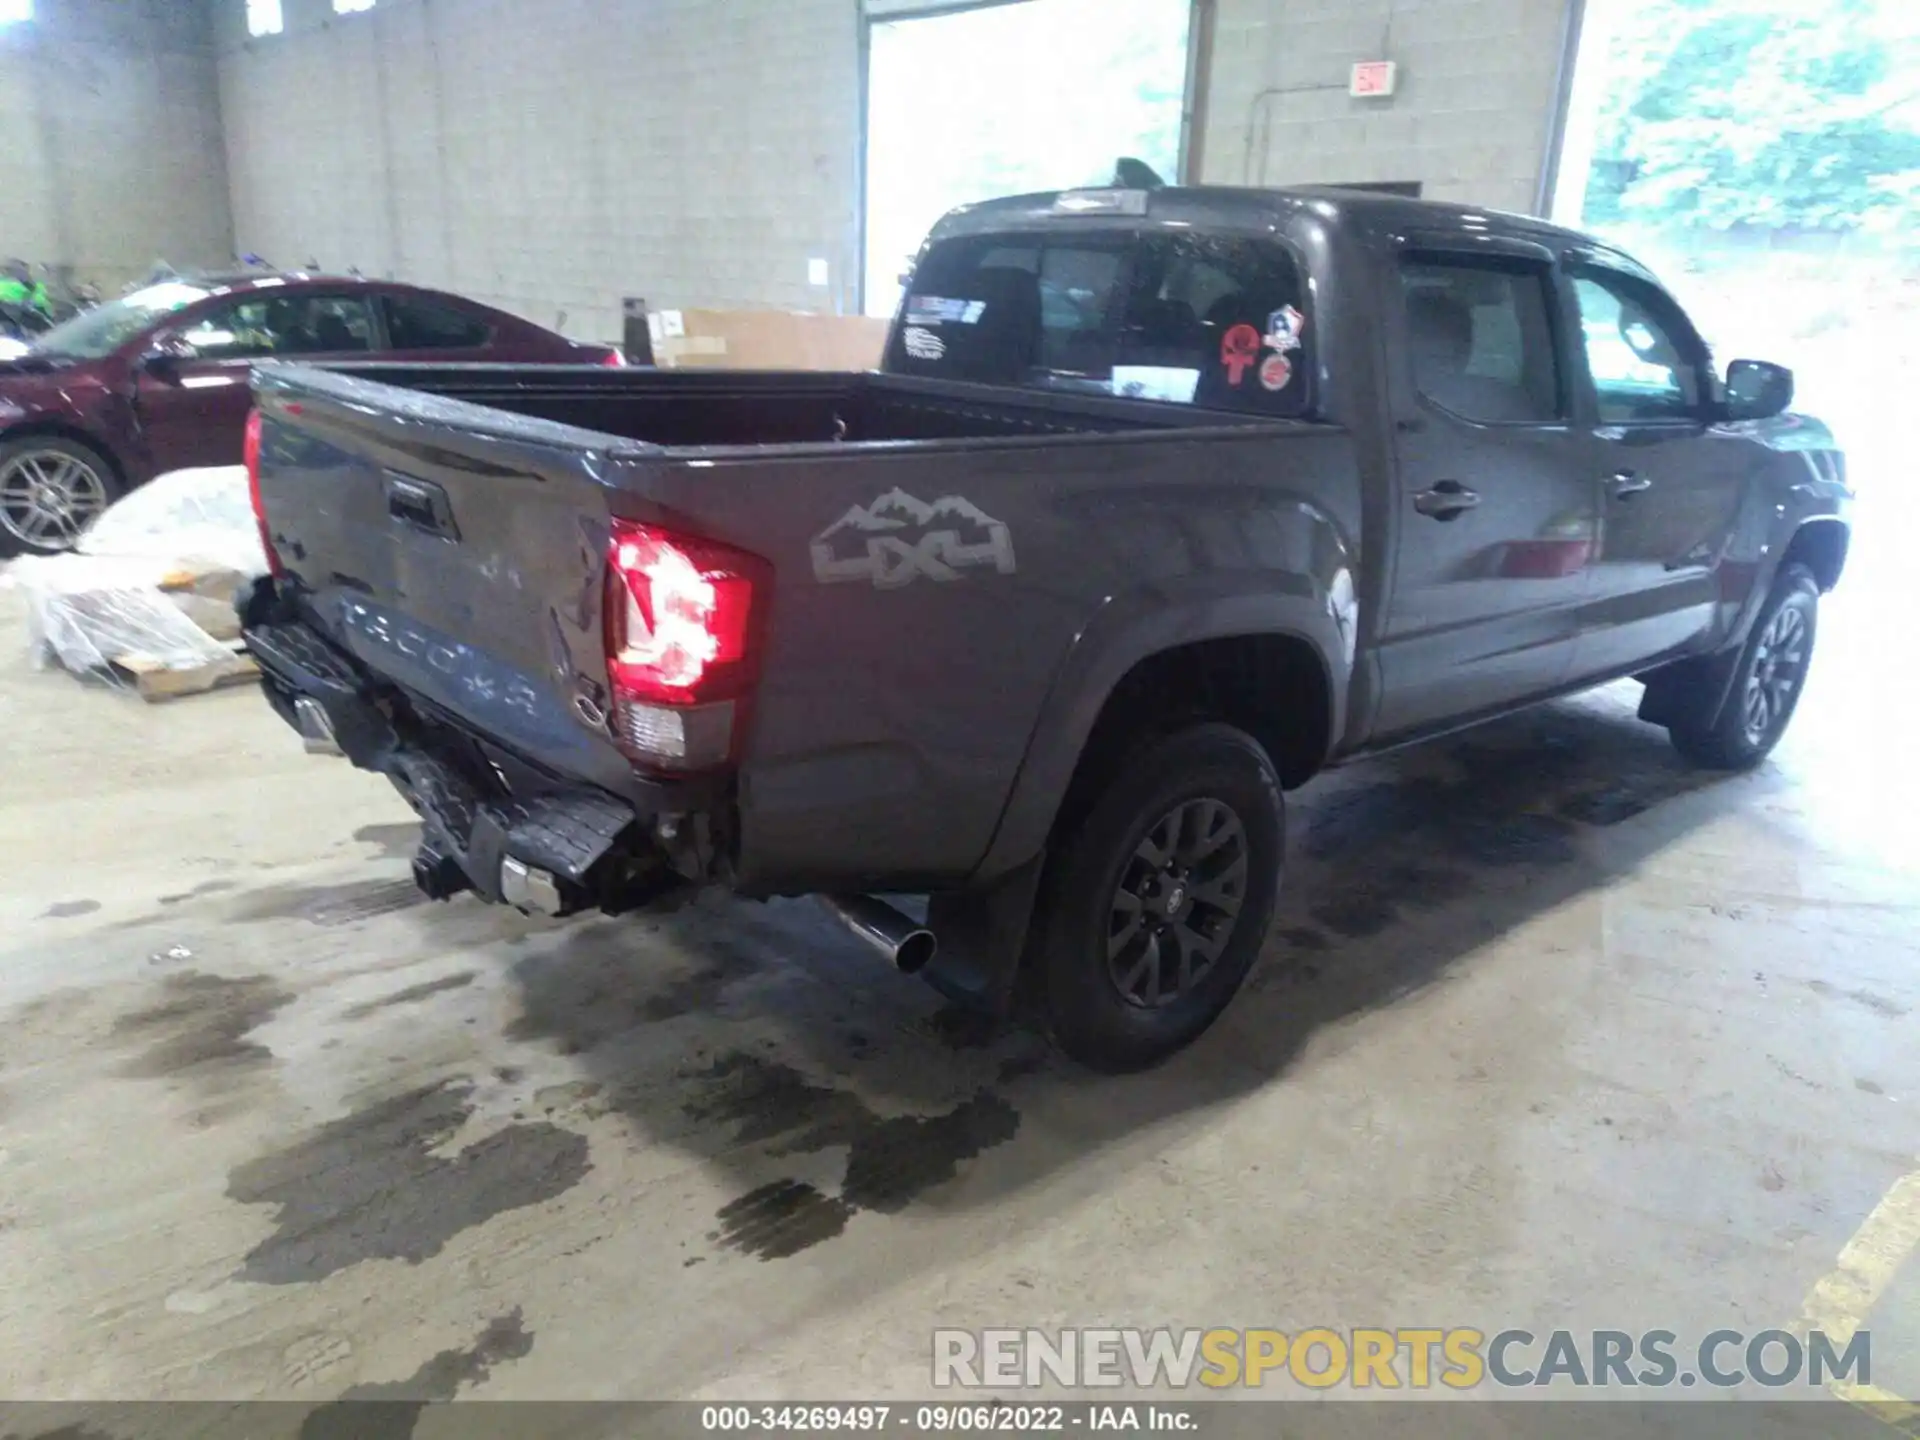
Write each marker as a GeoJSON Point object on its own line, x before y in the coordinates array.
{"type": "Point", "coordinates": [1161, 502]}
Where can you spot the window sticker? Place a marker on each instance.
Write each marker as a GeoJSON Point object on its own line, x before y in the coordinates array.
{"type": "Point", "coordinates": [1284, 329]}
{"type": "Point", "coordinates": [1239, 347]}
{"type": "Point", "coordinates": [924, 344]}
{"type": "Point", "coordinates": [939, 310]}
{"type": "Point", "coordinates": [1155, 382]}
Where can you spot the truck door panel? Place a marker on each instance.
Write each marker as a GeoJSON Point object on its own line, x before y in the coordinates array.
{"type": "Point", "coordinates": [1496, 504]}
{"type": "Point", "coordinates": [1669, 483]}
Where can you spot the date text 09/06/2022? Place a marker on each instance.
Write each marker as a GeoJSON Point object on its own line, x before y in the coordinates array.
{"type": "Point", "coordinates": [988, 1417]}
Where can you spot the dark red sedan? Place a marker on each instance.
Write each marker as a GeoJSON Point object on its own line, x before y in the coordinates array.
{"type": "Point", "coordinates": [157, 380]}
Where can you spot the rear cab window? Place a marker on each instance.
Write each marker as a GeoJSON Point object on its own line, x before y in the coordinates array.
{"type": "Point", "coordinates": [1215, 321]}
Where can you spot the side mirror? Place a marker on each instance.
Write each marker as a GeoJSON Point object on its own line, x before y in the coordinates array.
{"type": "Point", "coordinates": [1757, 390]}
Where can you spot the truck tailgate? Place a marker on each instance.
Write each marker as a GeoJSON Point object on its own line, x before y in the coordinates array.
{"type": "Point", "coordinates": [454, 550]}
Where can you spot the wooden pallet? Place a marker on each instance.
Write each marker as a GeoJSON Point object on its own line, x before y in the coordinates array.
{"type": "Point", "coordinates": [156, 681]}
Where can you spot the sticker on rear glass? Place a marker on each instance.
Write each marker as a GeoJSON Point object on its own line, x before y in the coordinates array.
{"type": "Point", "coordinates": [1275, 372]}
{"type": "Point", "coordinates": [1155, 382]}
{"type": "Point", "coordinates": [1284, 329]}
{"type": "Point", "coordinates": [940, 310]}
{"type": "Point", "coordinates": [924, 344]}
{"type": "Point", "coordinates": [897, 539]}
{"type": "Point", "coordinates": [1239, 348]}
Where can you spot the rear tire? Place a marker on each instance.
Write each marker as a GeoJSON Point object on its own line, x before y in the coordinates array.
{"type": "Point", "coordinates": [1767, 683]}
{"type": "Point", "coordinates": [51, 489]}
{"type": "Point", "coordinates": [1159, 899]}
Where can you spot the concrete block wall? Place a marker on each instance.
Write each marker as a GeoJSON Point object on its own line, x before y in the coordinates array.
{"type": "Point", "coordinates": [111, 152]}
{"type": "Point", "coordinates": [1471, 121]}
{"type": "Point", "coordinates": [555, 155]}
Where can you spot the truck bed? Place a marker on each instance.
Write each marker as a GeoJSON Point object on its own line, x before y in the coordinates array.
{"type": "Point", "coordinates": [939, 564]}
{"type": "Point", "coordinates": [705, 409]}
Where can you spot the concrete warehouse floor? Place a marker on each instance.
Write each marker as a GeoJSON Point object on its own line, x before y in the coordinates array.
{"type": "Point", "coordinates": [1551, 1032]}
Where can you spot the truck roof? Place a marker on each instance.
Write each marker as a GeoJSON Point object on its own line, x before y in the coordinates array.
{"type": "Point", "coordinates": [1238, 208]}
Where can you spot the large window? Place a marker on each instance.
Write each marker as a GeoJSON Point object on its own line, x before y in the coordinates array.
{"type": "Point", "coordinates": [1214, 321]}
{"type": "Point", "coordinates": [264, 17]}
{"type": "Point", "coordinates": [351, 7]}
{"type": "Point", "coordinates": [15, 12]}
{"type": "Point", "coordinates": [1480, 339]}
{"type": "Point", "coordinates": [1007, 99]}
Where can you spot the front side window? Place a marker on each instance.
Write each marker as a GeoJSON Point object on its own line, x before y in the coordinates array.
{"type": "Point", "coordinates": [1639, 350]}
{"type": "Point", "coordinates": [1480, 339]}
{"type": "Point", "coordinates": [1211, 321]}
{"type": "Point", "coordinates": [282, 325]}
{"type": "Point", "coordinates": [422, 325]}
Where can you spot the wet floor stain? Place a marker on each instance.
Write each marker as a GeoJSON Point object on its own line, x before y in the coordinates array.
{"type": "Point", "coordinates": [959, 1027]}
{"type": "Point", "coordinates": [329, 905]}
{"type": "Point", "coordinates": [391, 1410]}
{"type": "Point", "coordinates": [411, 995]}
{"type": "Point", "coordinates": [199, 1025]}
{"type": "Point", "coordinates": [209, 887]}
{"type": "Point", "coordinates": [68, 909]}
{"type": "Point", "coordinates": [1869, 1087]}
{"type": "Point", "coordinates": [1621, 800]}
{"type": "Point", "coordinates": [1866, 999]}
{"type": "Point", "coordinates": [370, 1187]}
{"type": "Point", "coordinates": [780, 1220]}
{"type": "Point", "coordinates": [1019, 1067]}
{"type": "Point", "coordinates": [598, 988]}
{"type": "Point", "coordinates": [396, 842]}
{"type": "Point", "coordinates": [891, 1161]}
{"type": "Point", "coordinates": [1373, 902]}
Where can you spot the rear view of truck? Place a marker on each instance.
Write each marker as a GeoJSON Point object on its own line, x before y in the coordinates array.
{"type": "Point", "coordinates": [1014, 646]}
{"type": "Point", "coordinates": [457, 608]}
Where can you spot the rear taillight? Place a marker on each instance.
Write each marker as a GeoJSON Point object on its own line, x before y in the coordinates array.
{"type": "Point", "coordinates": [251, 454]}
{"type": "Point", "coordinates": [614, 358]}
{"type": "Point", "coordinates": [681, 641]}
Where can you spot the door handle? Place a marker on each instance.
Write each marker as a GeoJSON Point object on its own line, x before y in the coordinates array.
{"type": "Point", "coordinates": [1627, 483]}
{"type": "Point", "coordinates": [1447, 500]}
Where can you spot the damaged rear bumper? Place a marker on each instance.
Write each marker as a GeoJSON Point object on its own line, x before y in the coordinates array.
{"type": "Point", "coordinates": [490, 823]}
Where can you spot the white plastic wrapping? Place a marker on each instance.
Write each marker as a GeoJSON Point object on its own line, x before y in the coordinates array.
{"type": "Point", "coordinates": [150, 583]}
{"type": "Point", "coordinates": [194, 517]}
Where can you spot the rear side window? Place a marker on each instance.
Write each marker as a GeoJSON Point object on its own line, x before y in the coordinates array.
{"type": "Point", "coordinates": [423, 325]}
{"type": "Point", "coordinates": [1480, 339]}
{"type": "Point", "coordinates": [1213, 321]}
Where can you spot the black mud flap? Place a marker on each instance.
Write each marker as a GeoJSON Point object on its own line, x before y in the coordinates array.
{"type": "Point", "coordinates": [982, 937]}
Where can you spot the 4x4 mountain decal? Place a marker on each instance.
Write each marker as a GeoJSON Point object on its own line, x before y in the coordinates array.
{"type": "Point", "coordinates": [897, 539]}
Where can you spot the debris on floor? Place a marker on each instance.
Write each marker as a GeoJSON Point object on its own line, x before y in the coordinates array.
{"type": "Point", "coordinates": [144, 602]}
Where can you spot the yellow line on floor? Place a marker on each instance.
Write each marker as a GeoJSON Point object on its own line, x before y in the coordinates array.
{"type": "Point", "coordinates": [1839, 1303]}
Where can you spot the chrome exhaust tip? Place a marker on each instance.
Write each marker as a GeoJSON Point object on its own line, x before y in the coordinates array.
{"type": "Point", "coordinates": [907, 944]}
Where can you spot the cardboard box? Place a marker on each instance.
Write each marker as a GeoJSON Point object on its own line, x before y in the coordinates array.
{"type": "Point", "coordinates": [766, 340]}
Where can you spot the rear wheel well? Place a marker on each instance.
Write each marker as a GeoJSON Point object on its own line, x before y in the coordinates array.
{"type": "Point", "coordinates": [1821, 546]}
{"type": "Point", "coordinates": [1274, 687]}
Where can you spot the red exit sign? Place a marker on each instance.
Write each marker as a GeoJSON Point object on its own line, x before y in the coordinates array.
{"type": "Point", "coordinates": [1373, 79]}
